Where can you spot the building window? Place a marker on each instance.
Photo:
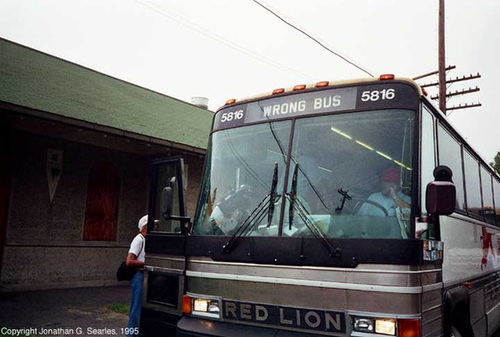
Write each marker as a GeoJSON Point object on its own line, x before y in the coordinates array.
{"type": "Point", "coordinates": [101, 211]}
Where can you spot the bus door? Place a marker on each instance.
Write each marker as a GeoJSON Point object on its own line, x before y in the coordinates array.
{"type": "Point", "coordinates": [165, 249]}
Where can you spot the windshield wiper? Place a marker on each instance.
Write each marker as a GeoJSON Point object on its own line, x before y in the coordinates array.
{"type": "Point", "coordinates": [272, 195]}
{"type": "Point", "coordinates": [257, 214]}
{"type": "Point", "coordinates": [305, 216]}
{"type": "Point", "coordinates": [293, 196]}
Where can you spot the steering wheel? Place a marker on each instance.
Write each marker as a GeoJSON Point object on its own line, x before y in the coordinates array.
{"type": "Point", "coordinates": [236, 200]}
{"type": "Point", "coordinates": [361, 201]}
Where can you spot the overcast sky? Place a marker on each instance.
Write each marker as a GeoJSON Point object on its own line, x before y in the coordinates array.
{"type": "Point", "coordinates": [224, 49]}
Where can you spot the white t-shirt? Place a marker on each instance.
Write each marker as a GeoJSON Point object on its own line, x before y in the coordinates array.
{"type": "Point", "coordinates": [137, 247]}
{"type": "Point", "coordinates": [387, 202]}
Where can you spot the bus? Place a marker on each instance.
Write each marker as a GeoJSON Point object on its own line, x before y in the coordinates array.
{"type": "Point", "coordinates": [348, 208]}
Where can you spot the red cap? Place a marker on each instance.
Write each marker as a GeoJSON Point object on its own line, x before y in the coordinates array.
{"type": "Point", "coordinates": [391, 174]}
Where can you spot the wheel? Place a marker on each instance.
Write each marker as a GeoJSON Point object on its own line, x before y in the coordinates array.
{"type": "Point", "coordinates": [455, 332]}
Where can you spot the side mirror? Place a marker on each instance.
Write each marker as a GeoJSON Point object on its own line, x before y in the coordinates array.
{"type": "Point", "coordinates": [167, 205]}
{"type": "Point", "coordinates": [440, 198]}
{"type": "Point", "coordinates": [167, 199]}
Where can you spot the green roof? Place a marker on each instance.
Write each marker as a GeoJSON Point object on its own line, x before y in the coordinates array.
{"type": "Point", "coordinates": [33, 79]}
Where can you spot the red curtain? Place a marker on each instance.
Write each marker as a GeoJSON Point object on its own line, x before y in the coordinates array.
{"type": "Point", "coordinates": [103, 192]}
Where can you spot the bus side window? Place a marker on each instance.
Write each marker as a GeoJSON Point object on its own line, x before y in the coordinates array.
{"type": "Point", "coordinates": [472, 186]}
{"type": "Point", "coordinates": [488, 211]}
{"type": "Point", "coordinates": [450, 154]}
{"type": "Point", "coordinates": [428, 162]}
{"type": "Point", "coordinates": [496, 196]}
{"type": "Point", "coordinates": [427, 165]}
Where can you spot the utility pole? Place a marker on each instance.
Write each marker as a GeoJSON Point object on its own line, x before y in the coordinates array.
{"type": "Point", "coordinates": [442, 82]}
{"type": "Point", "coordinates": [442, 60]}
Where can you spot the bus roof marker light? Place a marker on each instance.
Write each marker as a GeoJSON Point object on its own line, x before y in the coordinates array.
{"type": "Point", "coordinates": [299, 87]}
{"type": "Point", "coordinates": [278, 91]}
{"type": "Point", "coordinates": [230, 101]}
{"type": "Point", "coordinates": [386, 77]}
{"type": "Point", "coordinates": [322, 84]}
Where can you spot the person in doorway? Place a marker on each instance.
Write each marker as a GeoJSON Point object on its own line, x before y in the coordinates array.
{"type": "Point", "coordinates": [390, 196]}
{"type": "Point", "coordinates": [135, 258]}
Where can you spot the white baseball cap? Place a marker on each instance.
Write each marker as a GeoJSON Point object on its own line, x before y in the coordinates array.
{"type": "Point", "coordinates": [143, 222]}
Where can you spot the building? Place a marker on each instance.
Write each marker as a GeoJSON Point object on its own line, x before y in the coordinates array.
{"type": "Point", "coordinates": [75, 155]}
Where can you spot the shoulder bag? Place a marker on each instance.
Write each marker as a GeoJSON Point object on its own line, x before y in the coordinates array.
{"type": "Point", "coordinates": [126, 273]}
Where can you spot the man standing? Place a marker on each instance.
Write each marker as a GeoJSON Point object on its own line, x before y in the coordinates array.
{"type": "Point", "coordinates": [135, 258]}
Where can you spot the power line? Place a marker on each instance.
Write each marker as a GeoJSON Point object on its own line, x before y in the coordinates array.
{"type": "Point", "coordinates": [180, 20]}
{"type": "Point", "coordinates": [313, 38]}
{"type": "Point", "coordinates": [449, 95]}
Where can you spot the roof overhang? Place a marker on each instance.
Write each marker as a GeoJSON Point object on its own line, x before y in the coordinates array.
{"type": "Point", "coordinates": [50, 124]}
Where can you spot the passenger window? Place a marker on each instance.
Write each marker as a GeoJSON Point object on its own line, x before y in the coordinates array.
{"type": "Point", "coordinates": [167, 173]}
{"type": "Point", "coordinates": [496, 195]}
{"type": "Point", "coordinates": [472, 186]}
{"type": "Point", "coordinates": [488, 211]}
{"type": "Point", "coordinates": [428, 160]}
{"type": "Point", "coordinates": [451, 156]}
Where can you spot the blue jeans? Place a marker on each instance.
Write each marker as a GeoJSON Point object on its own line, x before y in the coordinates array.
{"type": "Point", "coordinates": [135, 305]}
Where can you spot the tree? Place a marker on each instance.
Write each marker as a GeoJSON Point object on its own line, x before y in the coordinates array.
{"type": "Point", "coordinates": [496, 162]}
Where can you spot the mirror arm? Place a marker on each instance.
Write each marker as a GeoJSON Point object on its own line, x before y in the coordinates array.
{"type": "Point", "coordinates": [186, 224]}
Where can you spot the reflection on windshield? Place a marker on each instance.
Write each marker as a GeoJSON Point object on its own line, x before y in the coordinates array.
{"type": "Point", "coordinates": [353, 178]}
{"type": "Point", "coordinates": [239, 176]}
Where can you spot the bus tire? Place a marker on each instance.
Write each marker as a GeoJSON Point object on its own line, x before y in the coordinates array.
{"type": "Point", "coordinates": [457, 312]}
{"type": "Point", "coordinates": [455, 332]}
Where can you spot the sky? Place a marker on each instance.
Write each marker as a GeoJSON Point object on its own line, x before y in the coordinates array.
{"type": "Point", "coordinates": [223, 49]}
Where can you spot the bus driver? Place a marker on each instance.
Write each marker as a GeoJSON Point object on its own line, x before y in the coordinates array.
{"type": "Point", "coordinates": [390, 196]}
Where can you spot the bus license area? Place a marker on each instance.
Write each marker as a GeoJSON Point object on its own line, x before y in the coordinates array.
{"type": "Point", "coordinates": [319, 103]}
{"type": "Point", "coordinates": [294, 318]}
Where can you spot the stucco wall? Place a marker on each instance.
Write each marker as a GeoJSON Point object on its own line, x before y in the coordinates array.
{"type": "Point", "coordinates": [44, 245]}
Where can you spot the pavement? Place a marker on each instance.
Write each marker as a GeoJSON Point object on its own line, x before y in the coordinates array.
{"type": "Point", "coordinates": [64, 312]}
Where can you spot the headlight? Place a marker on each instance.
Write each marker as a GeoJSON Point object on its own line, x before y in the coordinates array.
{"type": "Point", "coordinates": [364, 325]}
{"type": "Point", "coordinates": [375, 325]}
{"type": "Point", "coordinates": [385, 326]}
{"type": "Point", "coordinates": [201, 306]}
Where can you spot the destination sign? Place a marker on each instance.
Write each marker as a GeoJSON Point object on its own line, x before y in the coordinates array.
{"type": "Point", "coordinates": [392, 95]}
{"type": "Point", "coordinates": [287, 317]}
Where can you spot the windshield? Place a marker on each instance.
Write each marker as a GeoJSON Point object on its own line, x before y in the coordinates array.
{"type": "Point", "coordinates": [238, 176]}
{"type": "Point", "coordinates": [345, 176]}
